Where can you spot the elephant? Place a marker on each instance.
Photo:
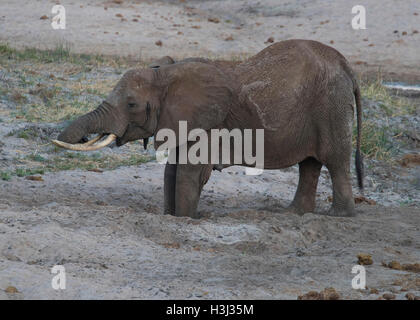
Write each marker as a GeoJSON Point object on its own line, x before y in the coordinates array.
{"type": "Point", "coordinates": [302, 93]}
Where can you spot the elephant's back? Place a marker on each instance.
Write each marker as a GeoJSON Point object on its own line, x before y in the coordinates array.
{"type": "Point", "coordinates": [286, 78]}
{"type": "Point", "coordinates": [290, 63]}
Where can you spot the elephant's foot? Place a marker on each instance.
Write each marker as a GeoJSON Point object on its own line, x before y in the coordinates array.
{"type": "Point", "coordinates": [300, 209]}
{"type": "Point", "coordinates": [304, 200]}
{"type": "Point", "coordinates": [341, 212]}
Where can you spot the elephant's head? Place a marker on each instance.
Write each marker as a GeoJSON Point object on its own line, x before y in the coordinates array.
{"type": "Point", "coordinates": [146, 100]}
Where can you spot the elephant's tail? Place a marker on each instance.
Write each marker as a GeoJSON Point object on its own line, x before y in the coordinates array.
{"type": "Point", "coordinates": [359, 157]}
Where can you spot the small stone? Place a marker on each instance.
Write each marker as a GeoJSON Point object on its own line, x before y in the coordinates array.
{"type": "Point", "coordinates": [158, 43]}
{"type": "Point", "coordinates": [389, 296]}
{"type": "Point", "coordinates": [11, 289]}
{"type": "Point", "coordinates": [44, 17]}
{"type": "Point", "coordinates": [415, 267]}
{"type": "Point", "coordinates": [364, 259]}
{"type": "Point", "coordinates": [395, 265]}
{"type": "Point", "coordinates": [330, 294]}
{"type": "Point", "coordinates": [410, 296]}
{"type": "Point", "coordinates": [270, 40]}
{"type": "Point", "coordinates": [174, 245]}
{"type": "Point", "coordinates": [214, 20]}
{"type": "Point", "coordinates": [311, 295]}
{"type": "Point", "coordinates": [374, 291]}
{"type": "Point", "coordinates": [34, 178]}
{"type": "Point", "coordinates": [326, 294]}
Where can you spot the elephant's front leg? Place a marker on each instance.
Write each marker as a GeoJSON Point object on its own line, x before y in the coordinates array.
{"type": "Point", "coordinates": [169, 188]}
{"type": "Point", "coordinates": [190, 180]}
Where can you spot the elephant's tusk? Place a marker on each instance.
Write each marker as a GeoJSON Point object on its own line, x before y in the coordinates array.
{"type": "Point", "coordinates": [85, 147]}
{"type": "Point", "coordinates": [97, 138]}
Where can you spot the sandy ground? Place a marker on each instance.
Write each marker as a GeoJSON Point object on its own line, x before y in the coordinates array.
{"type": "Point", "coordinates": [115, 243]}
{"type": "Point", "coordinates": [390, 42]}
{"type": "Point", "coordinates": [107, 229]}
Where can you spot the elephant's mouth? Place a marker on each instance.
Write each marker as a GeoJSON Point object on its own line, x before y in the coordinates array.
{"type": "Point", "coordinates": [132, 133]}
{"type": "Point", "coordinates": [91, 145]}
{"type": "Point", "coordinates": [120, 142]}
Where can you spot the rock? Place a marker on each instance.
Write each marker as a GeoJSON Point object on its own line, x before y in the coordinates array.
{"type": "Point", "coordinates": [270, 40]}
{"type": "Point", "coordinates": [158, 43]}
{"type": "Point", "coordinates": [230, 38]}
{"type": "Point", "coordinates": [11, 289]}
{"type": "Point", "coordinates": [410, 296]}
{"type": "Point", "coordinates": [411, 267]}
{"type": "Point", "coordinates": [374, 291]}
{"type": "Point", "coordinates": [410, 159]}
{"type": "Point", "coordinates": [34, 178]}
{"type": "Point", "coordinates": [364, 259]}
{"type": "Point", "coordinates": [174, 245]}
{"type": "Point", "coordinates": [311, 295]}
{"type": "Point", "coordinates": [330, 294]}
{"type": "Point", "coordinates": [362, 199]}
{"type": "Point", "coordinates": [214, 20]}
{"type": "Point", "coordinates": [394, 265]}
{"type": "Point", "coordinates": [389, 296]}
{"type": "Point", "coordinates": [415, 267]}
{"type": "Point", "coordinates": [326, 294]}
{"type": "Point", "coordinates": [44, 17]}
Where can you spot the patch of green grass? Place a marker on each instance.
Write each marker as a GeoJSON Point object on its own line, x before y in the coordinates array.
{"type": "Point", "coordinates": [54, 111]}
{"type": "Point", "coordinates": [36, 157]}
{"type": "Point", "coordinates": [78, 160]}
{"type": "Point", "coordinates": [23, 172]}
{"type": "Point", "coordinates": [6, 176]}
{"type": "Point", "coordinates": [61, 53]}
{"type": "Point", "coordinates": [72, 161]}
{"type": "Point", "coordinates": [25, 133]}
{"type": "Point", "coordinates": [376, 141]}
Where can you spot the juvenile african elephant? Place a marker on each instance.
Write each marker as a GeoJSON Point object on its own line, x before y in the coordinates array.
{"type": "Point", "coordinates": [301, 92]}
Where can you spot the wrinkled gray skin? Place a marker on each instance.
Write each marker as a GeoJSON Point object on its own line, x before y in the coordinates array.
{"type": "Point", "coordinates": [302, 93]}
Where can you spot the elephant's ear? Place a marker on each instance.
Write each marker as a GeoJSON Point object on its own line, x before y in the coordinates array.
{"type": "Point", "coordinates": [198, 93]}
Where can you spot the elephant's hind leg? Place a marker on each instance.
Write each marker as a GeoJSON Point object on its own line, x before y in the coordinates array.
{"type": "Point", "coordinates": [169, 188]}
{"type": "Point", "coordinates": [304, 200]}
{"type": "Point", "coordinates": [343, 202]}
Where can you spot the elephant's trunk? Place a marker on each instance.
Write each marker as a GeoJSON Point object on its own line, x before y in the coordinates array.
{"type": "Point", "coordinates": [102, 120]}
